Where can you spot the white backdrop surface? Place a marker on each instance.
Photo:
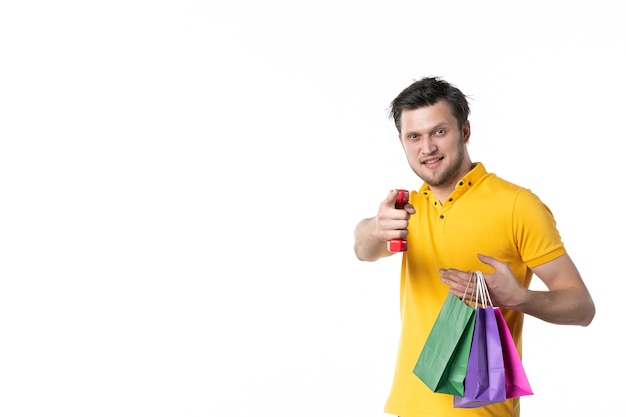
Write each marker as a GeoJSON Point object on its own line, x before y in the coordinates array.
{"type": "Point", "coordinates": [180, 181]}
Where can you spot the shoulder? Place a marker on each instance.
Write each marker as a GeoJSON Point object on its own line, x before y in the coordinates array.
{"type": "Point", "coordinates": [509, 194]}
{"type": "Point", "coordinates": [491, 183]}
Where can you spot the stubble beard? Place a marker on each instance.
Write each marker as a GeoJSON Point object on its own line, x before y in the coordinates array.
{"type": "Point", "coordinates": [445, 175]}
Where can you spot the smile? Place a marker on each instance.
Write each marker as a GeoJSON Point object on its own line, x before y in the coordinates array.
{"type": "Point", "coordinates": [432, 161]}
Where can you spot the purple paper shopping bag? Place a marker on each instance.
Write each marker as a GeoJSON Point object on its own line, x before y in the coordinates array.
{"type": "Point", "coordinates": [485, 381]}
{"type": "Point", "coordinates": [517, 383]}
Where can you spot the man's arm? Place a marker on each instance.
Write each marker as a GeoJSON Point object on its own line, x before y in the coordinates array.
{"type": "Point", "coordinates": [567, 300]}
{"type": "Point", "coordinates": [367, 245]}
{"type": "Point", "coordinates": [371, 234]}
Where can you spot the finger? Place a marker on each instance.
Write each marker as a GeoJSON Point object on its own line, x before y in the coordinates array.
{"type": "Point", "coordinates": [454, 278]}
{"type": "Point", "coordinates": [452, 272]}
{"type": "Point", "coordinates": [390, 201]}
{"type": "Point", "coordinates": [409, 209]}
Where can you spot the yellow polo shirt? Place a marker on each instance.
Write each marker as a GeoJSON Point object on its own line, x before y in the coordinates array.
{"type": "Point", "coordinates": [485, 214]}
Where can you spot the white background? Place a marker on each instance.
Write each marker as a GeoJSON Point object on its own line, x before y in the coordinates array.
{"type": "Point", "coordinates": [180, 180]}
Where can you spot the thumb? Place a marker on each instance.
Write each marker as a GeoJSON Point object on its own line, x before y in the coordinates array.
{"type": "Point", "coordinates": [394, 195]}
{"type": "Point", "coordinates": [489, 260]}
{"type": "Point", "coordinates": [390, 201]}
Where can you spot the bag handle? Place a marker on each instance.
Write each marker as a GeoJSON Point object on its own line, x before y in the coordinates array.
{"type": "Point", "coordinates": [482, 290]}
{"type": "Point", "coordinates": [480, 287]}
{"type": "Point", "coordinates": [472, 279]}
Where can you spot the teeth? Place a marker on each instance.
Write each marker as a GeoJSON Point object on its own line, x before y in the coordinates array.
{"type": "Point", "coordinates": [431, 161]}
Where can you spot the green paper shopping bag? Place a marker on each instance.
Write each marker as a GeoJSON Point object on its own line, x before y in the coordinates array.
{"type": "Point", "coordinates": [442, 365]}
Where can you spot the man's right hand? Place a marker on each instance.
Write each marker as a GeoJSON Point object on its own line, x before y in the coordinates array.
{"type": "Point", "coordinates": [371, 234]}
{"type": "Point", "coordinates": [391, 222]}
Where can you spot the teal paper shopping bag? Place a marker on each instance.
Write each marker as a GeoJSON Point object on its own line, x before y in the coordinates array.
{"type": "Point", "coordinates": [442, 364]}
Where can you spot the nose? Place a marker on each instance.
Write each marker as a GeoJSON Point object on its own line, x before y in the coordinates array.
{"type": "Point", "coordinates": [428, 145]}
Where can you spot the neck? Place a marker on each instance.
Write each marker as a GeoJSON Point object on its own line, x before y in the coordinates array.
{"type": "Point", "coordinates": [443, 191]}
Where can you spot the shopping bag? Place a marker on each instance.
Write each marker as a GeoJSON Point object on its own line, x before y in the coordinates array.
{"type": "Point", "coordinates": [442, 364]}
{"type": "Point", "coordinates": [517, 384]}
{"type": "Point", "coordinates": [485, 380]}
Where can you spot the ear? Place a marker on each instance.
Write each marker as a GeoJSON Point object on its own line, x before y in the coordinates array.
{"type": "Point", "coordinates": [467, 131]}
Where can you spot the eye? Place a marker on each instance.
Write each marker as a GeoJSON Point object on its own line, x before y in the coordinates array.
{"type": "Point", "coordinates": [440, 132]}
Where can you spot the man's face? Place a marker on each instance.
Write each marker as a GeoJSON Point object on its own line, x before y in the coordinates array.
{"type": "Point", "coordinates": [434, 145]}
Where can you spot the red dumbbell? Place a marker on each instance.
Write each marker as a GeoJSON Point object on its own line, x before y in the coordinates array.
{"type": "Point", "coordinates": [399, 245]}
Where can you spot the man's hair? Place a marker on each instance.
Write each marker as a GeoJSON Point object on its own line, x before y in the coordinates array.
{"type": "Point", "coordinates": [427, 92]}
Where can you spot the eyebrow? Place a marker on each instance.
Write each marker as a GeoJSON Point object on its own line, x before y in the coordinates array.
{"type": "Point", "coordinates": [433, 128]}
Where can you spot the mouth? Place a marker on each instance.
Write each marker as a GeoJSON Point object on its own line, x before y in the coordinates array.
{"type": "Point", "coordinates": [432, 161]}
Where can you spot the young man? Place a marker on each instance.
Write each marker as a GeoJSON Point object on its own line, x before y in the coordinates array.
{"type": "Point", "coordinates": [463, 219]}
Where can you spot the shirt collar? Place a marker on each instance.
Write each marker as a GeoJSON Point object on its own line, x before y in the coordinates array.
{"type": "Point", "coordinates": [463, 184]}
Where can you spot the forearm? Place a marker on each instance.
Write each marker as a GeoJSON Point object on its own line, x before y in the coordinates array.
{"type": "Point", "coordinates": [367, 246]}
{"type": "Point", "coordinates": [572, 306]}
